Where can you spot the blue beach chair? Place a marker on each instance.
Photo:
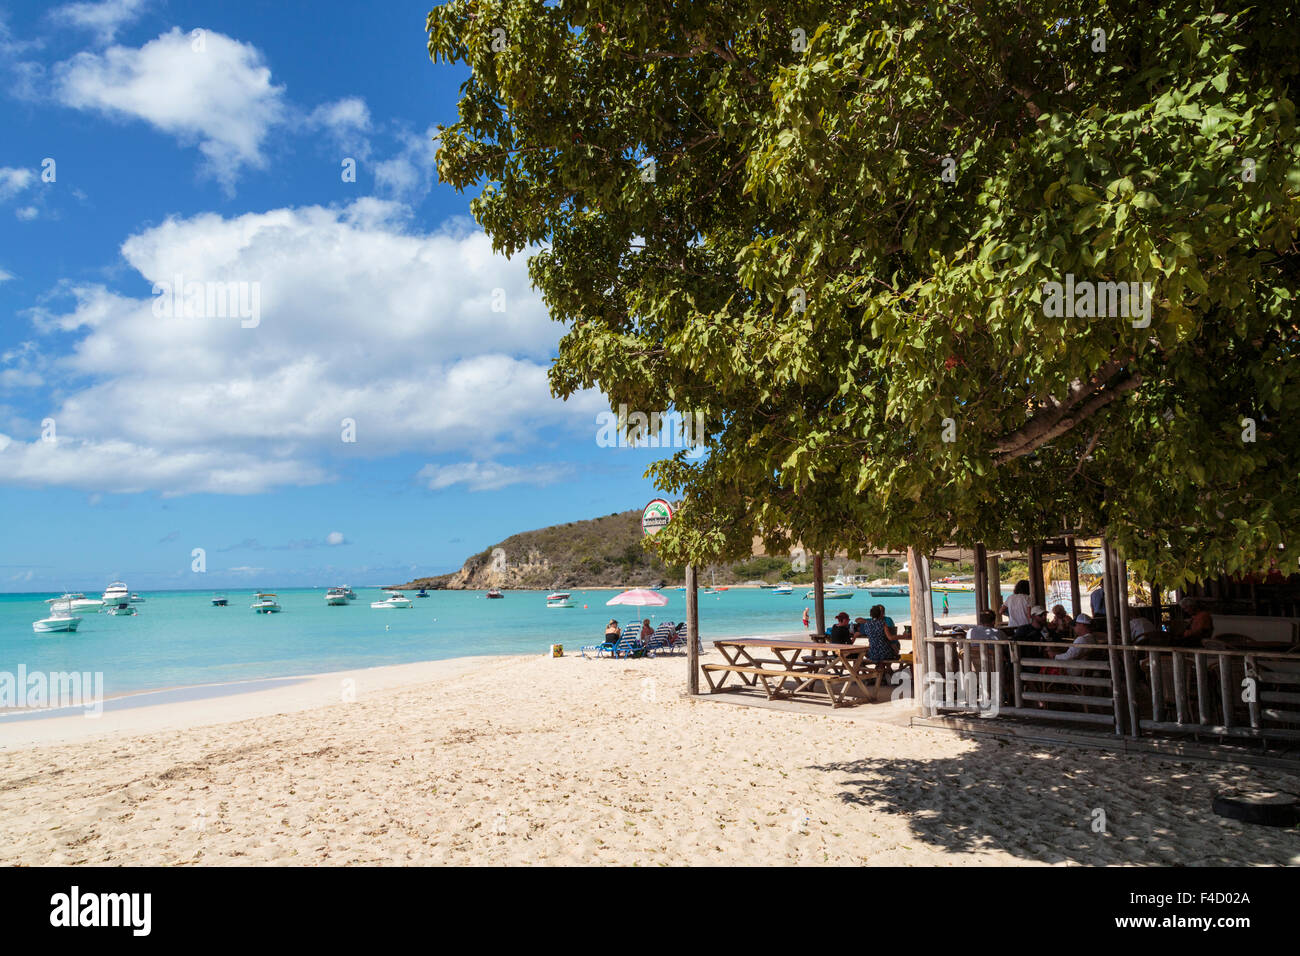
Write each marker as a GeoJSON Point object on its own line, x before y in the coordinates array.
{"type": "Point", "coordinates": [629, 642]}
{"type": "Point", "coordinates": [600, 650]}
{"type": "Point", "coordinates": [664, 636]}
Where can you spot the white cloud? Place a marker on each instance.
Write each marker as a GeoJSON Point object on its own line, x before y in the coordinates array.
{"type": "Point", "coordinates": [5, 276]}
{"type": "Point", "coordinates": [14, 180]}
{"type": "Point", "coordinates": [362, 318]}
{"type": "Point", "coordinates": [104, 19]}
{"type": "Point", "coordinates": [489, 475]}
{"type": "Point", "coordinates": [408, 176]}
{"type": "Point", "coordinates": [334, 538]}
{"type": "Point", "coordinates": [27, 213]}
{"type": "Point", "coordinates": [220, 96]}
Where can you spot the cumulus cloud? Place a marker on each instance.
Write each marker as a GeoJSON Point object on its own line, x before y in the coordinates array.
{"type": "Point", "coordinates": [374, 339]}
{"type": "Point", "coordinates": [103, 19]}
{"type": "Point", "coordinates": [488, 475]}
{"type": "Point", "coordinates": [346, 122]}
{"type": "Point", "coordinates": [408, 175]}
{"type": "Point", "coordinates": [203, 88]}
{"type": "Point", "coordinates": [14, 180]}
{"type": "Point", "coordinates": [335, 538]}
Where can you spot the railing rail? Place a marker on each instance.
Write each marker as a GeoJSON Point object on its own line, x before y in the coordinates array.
{"type": "Point", "coordinates": [1137, 689]}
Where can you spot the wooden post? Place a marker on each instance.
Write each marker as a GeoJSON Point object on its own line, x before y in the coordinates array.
{"type": "Point", "coordinates": [1075, 600]}
{"type": "Point", "coordinates": [918, 589]}
{"type": "Point", "coordinates": [692, 632]}
{"type": "Point", "coordinates": [1158, 612]}
{"type": "Point", "coordinates": [1037, 591]}
{"type": "Point", "coordinates": [1130, 666]}
{"type": "Point", "coordinates": [1108, 583]}
{"type": "Point", "coordinates": [981, 585]}
{"type": "Point", "coordinates": [819, 601]}
{"type": "Point", "coordinates": [994, 576]}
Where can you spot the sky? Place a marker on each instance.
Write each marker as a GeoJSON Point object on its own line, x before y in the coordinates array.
{"type": "Point", "coordinates": [247, 339]}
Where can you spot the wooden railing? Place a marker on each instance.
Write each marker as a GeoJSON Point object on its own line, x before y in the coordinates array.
{"type": "Point", "coordinates": [1135, 689]}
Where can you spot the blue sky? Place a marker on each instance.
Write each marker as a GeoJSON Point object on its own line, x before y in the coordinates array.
{"type": "Point", "coordinates": [357, 392]}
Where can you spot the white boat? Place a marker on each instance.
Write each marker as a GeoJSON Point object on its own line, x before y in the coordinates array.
{"type": "Point", "coordinates": [889, 590]}
{"type": "Point", "coordinates": [336, 597]}
{"type": "Point", "coordinates": [220, 600]}
{"type": "Point", "coordinates": [558, 599]}
{"type": "Point", "coordinates": [136, 599]}
{"type": "Point", "coordinates": [61, 618]}
{"type": "Point", "coordinates": [785, 587]}
{"type": "Point", "coordinates": [116, 593]}
{"type": "Point", "coordinates": [352, 595]}
{"type": "Point", "coordinates": [76, 601]}
{"type": "Point", "coordinates": [264, 603]}
{"type": "Point", "coordinates": [396, 599]}
{"type": "Point", "coordinates": [830, 594]}
{"type": "Point", "coordinates": [122, 609]}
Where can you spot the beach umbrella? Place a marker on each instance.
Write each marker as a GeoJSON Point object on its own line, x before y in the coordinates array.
{"type": "Point", "coordinates": [639, 597]}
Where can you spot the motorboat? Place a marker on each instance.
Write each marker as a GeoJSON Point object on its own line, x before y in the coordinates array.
{"type": "Point", "coordinates": [422, 593]}
{"type": "Point", "coordinates": [116, 592]}
{"type": "Point", "coordinates": [785, 587]}
{"type": "Point", "coordinates": [952, 585]}
{"type": "Point", "coordinates": [495, 593]}
{"type": "Point", "coordinates": [220, 600]}
{"type": "Point", "coordinates": [61, 618]}
{"type": "Point", "coordinates": [336, 597]}
{"type": "Point", "coordinates": [889, 590]}
{"type": "Point", "coordinates": [264, 603]}
{"type": "Point", "coordinates": [559, 599]}
{"type": "Point", "coordinates": [136, 599]}
{"type": "Point", "coordinates": [830, 594]}
{"type": "Point", "coordinates": [352, 595]}
{"type": "Point", "coordinates": [396, 599]}
{"type": "Point", "coordinates": [76, 601]}
{"type": "Point", "coordinates": [122, 609]}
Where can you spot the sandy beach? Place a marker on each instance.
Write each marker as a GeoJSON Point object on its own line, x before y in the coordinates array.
{"type": "Point", "coordinates": [533, 760]}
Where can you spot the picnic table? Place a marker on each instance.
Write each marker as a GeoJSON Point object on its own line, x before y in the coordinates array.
{"type": "Point", "coordinates": [789, 667]}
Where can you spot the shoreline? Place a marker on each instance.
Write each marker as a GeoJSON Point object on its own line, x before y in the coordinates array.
{"type": "Point", "coordinates": [185, 706]}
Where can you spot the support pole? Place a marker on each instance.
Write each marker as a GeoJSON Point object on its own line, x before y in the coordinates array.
{"type": "Point", "coordinates": [981, 580]}
{"type": "Point", "coordinates": [993, 573]}
{"type": "Point", "coordinates": [1109, 589]}
{"type": "Point", "coordinates": [1037, 592]}
{"type": "Point", "coordinates": [1076, 601]}
{"type": "Point", "coordinates": [819, 600]}
{"type": "Point", "coordinates": [692, 632]}
{"type": "Point", "coordinates": [918, 587]}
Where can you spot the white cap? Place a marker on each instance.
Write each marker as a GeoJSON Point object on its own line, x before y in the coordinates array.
{"type": "Point", "coordinates": [1036, 610]}
{"type": "Point", "coordinates": [1083, 619]}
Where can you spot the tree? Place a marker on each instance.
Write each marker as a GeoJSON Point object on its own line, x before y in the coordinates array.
{"type": "Point", "coordinates": [847, 231]}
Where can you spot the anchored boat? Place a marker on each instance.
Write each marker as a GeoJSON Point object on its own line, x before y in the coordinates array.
{"type": "Point", "coordinates": [558, 599]}
{"type": "Point", "coordinates": [264, 602]}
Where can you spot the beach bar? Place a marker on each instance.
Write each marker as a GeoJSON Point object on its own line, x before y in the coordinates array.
{"type": "Point", "coordinates": [1233, 696]}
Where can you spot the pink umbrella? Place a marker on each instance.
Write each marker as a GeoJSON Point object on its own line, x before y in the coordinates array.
{"type": "Point", "coordinates": [639, 597]}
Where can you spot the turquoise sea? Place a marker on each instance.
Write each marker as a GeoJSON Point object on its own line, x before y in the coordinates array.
{"type": "Point", "coordinates": [178, 639]}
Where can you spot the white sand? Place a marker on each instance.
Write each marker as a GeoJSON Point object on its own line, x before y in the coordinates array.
{"type": "Point", "coordinates": [534, 760]}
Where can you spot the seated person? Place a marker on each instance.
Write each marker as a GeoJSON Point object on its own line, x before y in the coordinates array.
{"type": "Point", "coordinates": [1084, 637]}
{"type": "Point", "coordinates": [841, 633]}
{"type": "Point", "coordinates": [1143, 631]}
{"type": "Point", "coordinates": [857, 625]}
{"type": "Point", "coordinates": [1201, 627]}
{"type": "Point", "coordinates": [882, 638]}
{"type": "Point", "coordinates": [1036, 629]}
{"type": "Point", "coordinates": [984, 630]}
{"type": "Point", "coordinates": [647, 631]}
{"type": "Point", "coordinates": [612, 631]}
{"type": "Point", "coordinates": [1061, 626]}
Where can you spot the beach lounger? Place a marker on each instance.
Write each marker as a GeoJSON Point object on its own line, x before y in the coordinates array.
{"type": "Point", "coordinates": [600, 650]}
{"type": "Point", "coordinates": [629, 643]}
{"type": "Point", "coordinates": [664, 637]}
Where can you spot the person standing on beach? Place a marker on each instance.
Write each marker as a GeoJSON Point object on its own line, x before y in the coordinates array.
{"type": "Point", "coordinates": [805, 617]}
{"type": "Point", "coordinates": [945, 603]}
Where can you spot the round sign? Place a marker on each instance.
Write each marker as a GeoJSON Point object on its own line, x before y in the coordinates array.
{"type": "Point", "coordinates": [656, 514]}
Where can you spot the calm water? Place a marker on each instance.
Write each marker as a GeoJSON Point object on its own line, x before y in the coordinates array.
{"type": "Point", "coordinates": [179, 639]}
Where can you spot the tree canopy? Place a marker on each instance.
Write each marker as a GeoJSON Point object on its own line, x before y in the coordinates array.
{"type": "Point", "coordinates": [933, 271]}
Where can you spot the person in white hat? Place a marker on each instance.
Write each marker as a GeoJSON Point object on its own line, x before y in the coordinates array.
{"type": "Point", "coordinates": [1083, 639]}
{"type": "Point", "coordinates": [1036, 629]}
